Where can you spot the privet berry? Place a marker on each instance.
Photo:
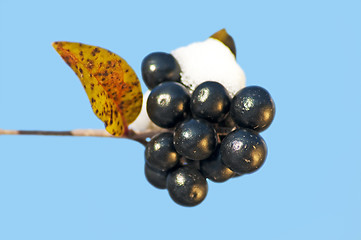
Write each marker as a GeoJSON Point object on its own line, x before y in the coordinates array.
{"type": "Point", "coordinates": [159, 67]}
{"type": "Point", "coordinates": [155, 177]}
{"type": "Point", "coordinates": [195, 139]}
{"type": "Point", "coordinates": [187, 186]}
{"type": "Point", "coordinates": [160, 152]}
{"type": "Point", "coordinates": [243, 151]}
{"type": "Point", "coordinates": [253, 107]}
{"type": "Point", "coordinates": [168, 104]}
{"type": "Point", "coordinates": [210, 101]}
{"type": "Point", "coordinates": [214, 169]}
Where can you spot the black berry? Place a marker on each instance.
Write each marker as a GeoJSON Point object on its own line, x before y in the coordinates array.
{"type": "Point", "coordinates": [159, 67]}
{"type": "Point", "coordinates": [187, 186]}
{"type": "Point", "coordinates": [210, 101]}
{"type": "Point", "coordinates": [253, 107]}
{"type": "Point", "coordinates": [168, 104]}
{"type": "Point", "coordinates": [214, 169]}
{"type": "Point", "coordinates": [195, 139]}
{"type": "Point", "coordinates": [160, 152]}
{"type": "Point", "coordinates": [155, 177]}
{"type": "Point", "coordinates": [243, 151]}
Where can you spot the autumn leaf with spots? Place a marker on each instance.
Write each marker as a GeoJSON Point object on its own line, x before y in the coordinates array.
{"type": "Point", "coordinates": [111, 84]}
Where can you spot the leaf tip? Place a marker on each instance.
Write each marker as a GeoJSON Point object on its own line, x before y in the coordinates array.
{"type": "Point", "coordinates": [223, 36]}
{"type": "Point", "coordinates": [55, 44]}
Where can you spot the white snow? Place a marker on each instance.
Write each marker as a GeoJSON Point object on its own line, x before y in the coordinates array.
{"type": "Point", "coordinates": [209, 60]}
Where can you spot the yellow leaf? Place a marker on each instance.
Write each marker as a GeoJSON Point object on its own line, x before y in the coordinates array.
{"type": "Point", "coordinates": [111, 84]}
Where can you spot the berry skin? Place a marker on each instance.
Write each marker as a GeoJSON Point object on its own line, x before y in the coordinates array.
{"type": "Point", "coordinates": [168, 104]}
{"type": "Point", "coordinates": [214, 169]}
{"type": "Point", "coordinates": [160, 67]}
{"type": "Point", "coordinates": [155, 177]}
{"type": "Point", "coordinates": [187, 186]}
{"type": "Point", "coordinates": [210, 101]}
{"type": "Point", "coordinates": [195, 139]}
{"type": "Point", "coordinates": [253, 107]}
{"type": "Point", "coordinates": [160, 152]}
{"type": "Point", "coordinates": [243, 151]}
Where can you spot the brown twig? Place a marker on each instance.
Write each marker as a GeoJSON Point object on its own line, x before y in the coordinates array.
{"type": "Point", "coordinates": [141, 137]}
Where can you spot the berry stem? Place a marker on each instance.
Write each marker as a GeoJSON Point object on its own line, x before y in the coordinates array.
{"type": "Point", "coordinates": [141, 137]}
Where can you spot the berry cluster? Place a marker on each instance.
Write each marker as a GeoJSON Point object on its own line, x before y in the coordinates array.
{"type": "Point", "coordinates": [211, 135]}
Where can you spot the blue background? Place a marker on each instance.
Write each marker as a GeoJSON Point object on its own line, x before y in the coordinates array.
{"type": "Point", "coordinates": [306, 53]}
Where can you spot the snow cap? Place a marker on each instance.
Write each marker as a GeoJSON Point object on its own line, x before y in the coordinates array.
{"type": "Point", "coordinates": [209, 60]}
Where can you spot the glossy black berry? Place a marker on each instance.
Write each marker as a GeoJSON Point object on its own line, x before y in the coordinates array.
{"type": "Point", "coordinates": [187, 186]}
{"type": "Point", "coordinates": [253, 107]}
{"type": "Point", "coordinates": [155, 177]}
{"type": "Point", "coordinates": [168, 104]}
{"type": "Point", "coordinates": [210, 101]}
{"type": "Point", "coordinates": [160, 152]}
{"type": "Point", "coordinates": [214, 169]}
{"type": "Point", "coordinates": [243, 151]}
{"type": "Point", "coordinates": [195, 139]}
{"type": "Point", "coordinates": [159, 67]}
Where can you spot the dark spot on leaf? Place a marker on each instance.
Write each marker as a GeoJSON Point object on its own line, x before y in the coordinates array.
{"type": "Point", "coordinates": [95, 51]}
